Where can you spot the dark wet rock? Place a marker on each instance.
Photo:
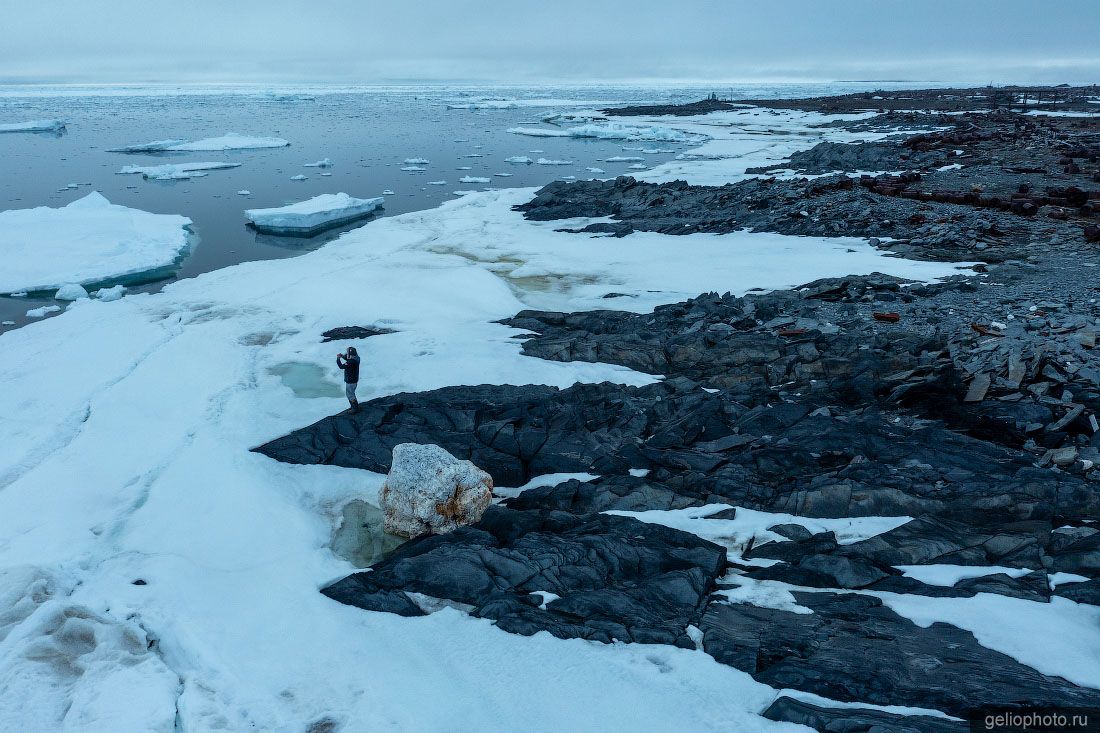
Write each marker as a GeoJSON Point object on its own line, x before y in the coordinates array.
{"type": "Point", "coordinates": [516, 433]}
{"type": "Point", "coordinates": [348, 333]}
{"type": "Point", "coordinates": [1081, 557]}
{"type": "Point", "coordinates": [616, 578]}
{"type": "Point", "coordinates": [1085, 592]}
{"type": "Point", "coordinates": [857, 720]}
{"type": "Point", "coordinates": [828, 157]}
{"type": "Point", "coordinates": [829, 206]}
{"type": "Point", "coordinates": [854, 649]}
{"type": "Point", "coordinates": [701, 107]}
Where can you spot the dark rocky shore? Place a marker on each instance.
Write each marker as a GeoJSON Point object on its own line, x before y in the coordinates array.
{"type": "Point", "coordinates": [970, 405]}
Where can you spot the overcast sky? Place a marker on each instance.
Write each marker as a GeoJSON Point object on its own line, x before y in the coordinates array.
{"type": "Point", "coordinates": [364, 41]}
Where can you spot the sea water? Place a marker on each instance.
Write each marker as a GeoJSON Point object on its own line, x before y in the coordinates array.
{"type": "Point", "coordinates": [367, 133]}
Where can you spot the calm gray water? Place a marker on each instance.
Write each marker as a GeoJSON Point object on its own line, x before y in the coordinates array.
{"type": "Point", "coordinates": [367, 133]}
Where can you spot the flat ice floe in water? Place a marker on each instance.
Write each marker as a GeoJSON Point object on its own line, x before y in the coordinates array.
{"type": "Point", "coordinates": [175, 171]}
{"type": "Point", "coordinates": [615, 131]}
{"type": "Point", "coordinates": [91, 240]}
{"type": "Point", "coordinates": [229, 141]}
{"type": "Point", "coordinates": [313, 215]}
{"type": "Point", "coordinates": [33, 126]}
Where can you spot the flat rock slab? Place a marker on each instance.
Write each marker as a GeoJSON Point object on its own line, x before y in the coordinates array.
{"type": "Point", "coordinates": [857, 720]}
{"type": "Point", "coordinates": [854, 649]}
{"type": "Point", "coordinates": [615, 578]}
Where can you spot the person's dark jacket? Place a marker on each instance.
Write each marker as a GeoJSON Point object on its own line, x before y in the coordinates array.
{"type": "Point", "coordinates": [350, 366]}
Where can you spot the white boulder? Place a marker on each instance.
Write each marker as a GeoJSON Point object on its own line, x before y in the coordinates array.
{"type": "Point", "coordinates": [429, 491]}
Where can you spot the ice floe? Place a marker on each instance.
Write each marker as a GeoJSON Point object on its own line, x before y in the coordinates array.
{"type": "Point", "coordinates": [87, 241]}
{"type": "Point", "coordinates": [70, 291]}
{"type": "Point", "coordinates": [417, 161]}
{"type": "Point", "coordinates": [473, 179]}
{"type": "Point", "coordinates": [616, 131]}
{"type": "Point", "coordinates": [43, 311]}
{"type": "Point", "coordinates": [33, 126]}
{"type": "Point", "coordinates": [549, 161]}
{"type": "Point", "coordinates": [323, 163]}
{"type": "Point", "coordinates": [518, 159]}
{"type": "Point", "coordinates": [229, 141]}
{"type": "Point", "coordinates": [175, 171]}
{"type": "Point", "coordinates": [311, 215]}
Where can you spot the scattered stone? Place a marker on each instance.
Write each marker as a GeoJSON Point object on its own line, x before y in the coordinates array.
{"type": "Point", "coordinates": [429, 491]}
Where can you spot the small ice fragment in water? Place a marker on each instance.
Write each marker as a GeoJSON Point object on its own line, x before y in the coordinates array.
{"type": "Point", "coordinates": [34, 126]}
{"type": "Point", "coordinates": [298, 177]}
{"type": "Point", "coordinates": [40, 312]}
{"type": "Point", "coordinates": [71, 291]}
{"type": "Point", "coordinates": [109, 294]}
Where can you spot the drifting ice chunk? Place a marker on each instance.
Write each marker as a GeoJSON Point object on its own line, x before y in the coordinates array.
{"type": "Point", "coordinates": [109, 294]}
{"type": "Point", "coordinates": [518, 159]}
{"type": "Point", "coordinates": [34, 126]}
{"type": "Point", "coordinates": [414, 168]}
{"type": "Point", "coordinates": [175, 171]}
{"type": "Point", "coordinates": [547, 161]}
{"type": "Point", "coordinates": [473, 179]}
{"type": "Point", "coordinates": [313, 215]}
{"type": "Point", "coordinates": [388, 192]}
{"type": "Point", "coordinates": [298, 177]}
{"type": "Point", "coordinates": [88, 241]}
{"type": "Point", "coordinates": [41, 312]}
{"type": "Point", "coordinates": [229, 141]}
{"type": "Point", "coordinates": [71, 291]}
{"type": "Point", "coordinates": [638, 166]}
{"type": "Point", "coordinates": [244, 192]}
{"type": "Point", "coordinates": [595, 170]}
{"type": "Point", "coordinates": [324, 163]}
{"type": "Point", "coordinates": [417, 161]}
{"type": "Point", "coordinates": [437, 183]}
{"type": "Point", "coordinates": [623, 159]}
{"type": "Point", "coordinates": [615, 131]}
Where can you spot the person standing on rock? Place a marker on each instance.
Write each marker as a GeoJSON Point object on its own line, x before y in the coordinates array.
{"type": "Point", "coordinates": [349, 362]}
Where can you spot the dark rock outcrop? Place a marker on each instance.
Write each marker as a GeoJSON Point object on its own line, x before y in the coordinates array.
{"type": "Point", "coordinates": [855, 649]}
{"type": "Point", "coordinates": [615, 578]}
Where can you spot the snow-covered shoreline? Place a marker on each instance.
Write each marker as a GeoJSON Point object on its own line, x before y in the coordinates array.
{"type": "Point", "coordinates": [125, 459]}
